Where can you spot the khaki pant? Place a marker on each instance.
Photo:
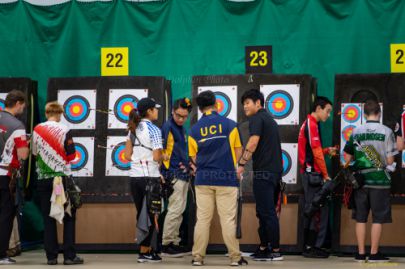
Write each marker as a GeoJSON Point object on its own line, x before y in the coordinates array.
{"type": "Point", "coordinates": [15, 236]}
{"type": "Point", "coordinates": [174, 216]}
{"type": "Point", "coordinates": [226, 200]}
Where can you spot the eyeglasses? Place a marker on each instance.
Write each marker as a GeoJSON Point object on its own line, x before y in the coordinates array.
{"type": "Point", "coordinates": [180, 117]}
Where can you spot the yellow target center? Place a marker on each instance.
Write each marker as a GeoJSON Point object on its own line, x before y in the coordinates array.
{"type": "Point", "coordinates": [127, 109]}
{"type": "Point", "coordinates": [76, 109]}
{"type": "Point", "coordinates": [219, 106]}
{"type": "Point", "coordinates": [279, 104]}
{"type": "Point", "coordinates": [351, 113]}
{"type": "Point", "coordinates": [123, 156]}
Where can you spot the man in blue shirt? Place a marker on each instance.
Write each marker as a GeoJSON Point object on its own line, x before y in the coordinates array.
{"type": "Point", "coordinates": [215, 146]}
{"type": "Point", "coordinates": [174, 170]}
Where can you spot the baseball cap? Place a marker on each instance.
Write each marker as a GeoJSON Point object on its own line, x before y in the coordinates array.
{"type": "Point", "coordinates": [147, 103]}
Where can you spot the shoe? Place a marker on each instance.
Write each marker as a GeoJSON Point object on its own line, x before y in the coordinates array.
{"type": "Point", "coordinates": [197, 263]}
{"type": "Point", "coordinates": [254, 254]}
{"type": "Point", "coordinates": [149, 257]}
{"type": "Point", "coordinates": [360, 257]}
{"type": "Point", "coordinates": [241, 262]}
{"type": "Point", "coordinates": [7, 260]}
{"type": "Point", "coordinates": [315, 253]}
{"type": "Point", "coordinates": [276, 256]}
{"type": "Point", "coordinates": [172, 250]}
{"type": "Point", "coordinates": [378, 257]}
{"type": "Point", "coordinates": [14, 252]}
{"type": "Point", "coordinates": [52, 262]}
{"type": "Point", "coordinates": [74, 261]}
{"type": "Point", "coordinates": [263, 255]}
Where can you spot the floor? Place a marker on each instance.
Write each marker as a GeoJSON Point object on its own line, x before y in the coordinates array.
{"type": "Point", "coordinates": [36, 259]}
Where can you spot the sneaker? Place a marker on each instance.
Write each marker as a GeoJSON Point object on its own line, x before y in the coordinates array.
{"type": "Point", "coordinates": [149, 257]}
{"type": "Point", "coordinates": [172, 250]}
{"type": "Point", "coordinates": [263, 255]}
{"type": "Point", "coordinates": [360, 257]}
{"type": "Point", "coordinates": [254, 254]}
{"type": "Point", "coordinates": [378, 257]}
{"type": "Point", "coordinates": [74, 261]}
{"type": "Point", "coordinates": [52, 262]}
{"type": "Point", "coordinates": [241, 262]}
{"type": "Point", "coordinates": [7, 260]}
{"type": "Point", "coordinates": [276, 256]}
{"type": "Point", "coordinates": [197, 263]}
{"type": "Point", "coordinates": [315, 253]}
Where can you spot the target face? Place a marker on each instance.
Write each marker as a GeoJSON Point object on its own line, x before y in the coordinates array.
{"type": "Point", "coordinates": [226, 100]}
{"type": "Point", "coordinates": [282, 102]}
{"type": "Point", "coordinates": [289, 155]}
{"type": "Point", "coordinates": [79, 108]}
{"type": "Point", "coordinates": [82, 156]}
{"type": "Point", "coordinates": [118, 157]}
{"type": "Point", "coordinates": [116, 164]}
{"type": "Point", "coordinates": [286, 162]}
{"type": "Point", "coordinates": [83, 164]}
{"type": "Point", "coordinates": [120, 104]}
{"type": "Point", "coordinates": [76, 109]}
{"type": "Point", "coordinates": [223, 104]}
{"type": "Point", "coordinates": [123, 106]}
{"type": "Point", "coordinates": [347, 132]}
{"type": "Point", "coordinates": [279, 104]}
{"type": "Point", "coordinates": [351, 113]}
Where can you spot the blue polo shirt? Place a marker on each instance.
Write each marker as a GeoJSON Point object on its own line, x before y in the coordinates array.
{"type": "Point", "coordinates": [175, 147]}
{"type": "Point", "coordinates": [212, 141]}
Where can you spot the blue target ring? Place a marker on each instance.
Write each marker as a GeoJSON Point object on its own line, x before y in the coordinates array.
{"type": "Point", "coordinates": [2, 105]}
{"type": "Point", "coordinates": [76, 109]}
{"type": "Point", "coordinates": [286, 162]}
{"type": "Point", "coordinates": [223, 104]}
{"type": "Point", "coordinates": [280, 104]}
{"type": "Point", "coordinates": [123, 107]}
{"type": "Point", "coordinates": [82, 156]}
{"type": "Point", "coordinates": [118, 159]}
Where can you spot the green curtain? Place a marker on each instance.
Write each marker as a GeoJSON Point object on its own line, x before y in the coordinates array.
{"type": "Point", "coordinates": [181, 38]}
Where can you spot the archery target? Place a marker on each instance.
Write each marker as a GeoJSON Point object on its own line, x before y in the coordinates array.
{"type": "Point", "coordinates": [351, 113]}
{"type": "Point", "coordinates": [120, 104]}
{"type": "Point", "coordinates": [83, 164]}
{"type": "Point", "coordinates": [226, 100]}
{"type": "Point", "coordinates": [347, 132]}
{"type": "Point", "coordinates": [289, 155]}
{"type": "Point", "coordinates": [116, 165]}
{"type": "Point", "coordinates": [282, 101]}
{"type": "Point", "coordinates": [2, 101]}
{"type": "Point", "coordinates": [79, 108]}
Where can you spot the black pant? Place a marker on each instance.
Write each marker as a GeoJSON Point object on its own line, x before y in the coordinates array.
{"type": "Point", "coordinates": [7, 214]}
{"type": "Point", "coordinates": [138, 190]}
{"type": "Point", "coordinates": [266, 188]}
{"type": "Point", "coordinates": [315, 228]}
{"type": "Point", "coordinates": [44, 188]}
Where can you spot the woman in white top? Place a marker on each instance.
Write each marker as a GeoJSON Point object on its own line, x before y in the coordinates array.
{"type": "Point", "coordinates": [144, 150]}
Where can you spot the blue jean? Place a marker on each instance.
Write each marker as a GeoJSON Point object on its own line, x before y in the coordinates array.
{"type": "Point", "coordinates": [266, 188]}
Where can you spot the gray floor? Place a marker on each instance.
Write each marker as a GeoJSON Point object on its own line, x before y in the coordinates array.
{"type": "Point", "coordinates": [36, 259]}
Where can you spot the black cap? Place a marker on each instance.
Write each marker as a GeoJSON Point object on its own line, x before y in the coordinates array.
{"type": "Point", "coordinates": [146, 103]}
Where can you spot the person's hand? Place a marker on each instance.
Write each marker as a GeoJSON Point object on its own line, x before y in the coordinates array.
{"type": "Point", "coordinates": [327, 179]}
{"type": "Point", "coordinates": [162, 179]}
{"type": "Point", "coordinates": [240, 171]}
{"type": "Point", "coordinates": [193, 168]}
{"type": "Point", "coordinates": [333, 151]}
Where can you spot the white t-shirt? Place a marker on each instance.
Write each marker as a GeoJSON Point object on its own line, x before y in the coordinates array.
{"type": "Point", "coordinates": [148, 138]}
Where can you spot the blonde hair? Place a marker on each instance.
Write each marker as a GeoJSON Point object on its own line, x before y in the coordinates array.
{"type": "Point", "coordinates": [53, 109]}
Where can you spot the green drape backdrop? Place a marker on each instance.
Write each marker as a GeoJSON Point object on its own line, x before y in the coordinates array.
{"type": "Point", "coordinates": [181, 38]}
